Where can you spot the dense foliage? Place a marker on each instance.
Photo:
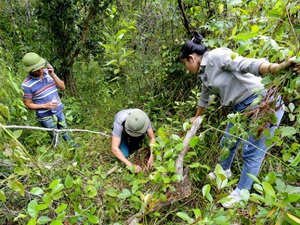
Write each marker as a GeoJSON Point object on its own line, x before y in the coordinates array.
{"type": "Point", "coordinates": [120, 54]}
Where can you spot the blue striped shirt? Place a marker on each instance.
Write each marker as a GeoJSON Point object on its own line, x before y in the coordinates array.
{"type": "Point", "coordinates": [41, 91]}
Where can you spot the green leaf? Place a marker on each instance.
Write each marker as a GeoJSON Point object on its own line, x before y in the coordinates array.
{"type": "Point", "coordinates": [61, 216]}
{"type": "Point", "coordinates": [57, 189]}
{"type": "Point", "coordinates": [69, 181]}
{"type": "Point", "coordinates": [112, 62]}
{"type": "Point", "coordinates": [36, 191]}
{"type": "Point", "coordinates": [179, 146]}
{"type": "Point", "coordinates": [194, 165]}
{"type": "Point", "coordinates": [61, 208]}
{"type": "Point", "coordinates": [54, 183]}
{"type": "Point", "coordinates": [186, 126]}
{"type": "Point", "coordinates": [254, 178]}
{"type": "Point", "coordinates": [295, 219]}
{"type": "Point", "coordinates": [244, 36]}
{"type": "Point", "coordinates": [43, 220]}
{"type": "Point", "coordinates": [197, 212]}
{"type": "Point", "coordinates": [116, 71]}
{"type": "Point", "coordinates": [171, 165]}
{"type": "Point", "coordinates": [233, 31]}
{"type": "Point", "coordinates": [271, 177]}
{"type": "Point", "coordinates": [297, 60]}
{"type": "Point", "coordinates": [291, 107]}
{"type": "Point", "coordinates": [4, 110]}
{"type": "Point", "coordinates": [206, 192]}
{"type": "Point", "coordinates": [93, 219]}
{"type": "Point", "coordinates": [56, 222]}
{"type": "Point", "coordinates": [184, 216]}
{"type": "Point", "coordinates": [42, 206]}
{"type": "Point", "coordinates": [234, 2]}
{"type": "Point", "coordinates": [32, 208]}
{"type": "Point", "coordinates": [267, 80]}
{"type": "Point", "coordinates": [112, 192]}
{"type": "Point", "coordinates": [268, 189]}
{"type": "Point", "coordinates": [296, 161]}
{"type": "Point", "coordinates": [233, 56]}
{"type": "Point", "coordinates": [245, 194]}
{"type": "Point", "coordinates": [32, 221]}
{"type": "Point", "coordinates": [91, 191]}
{"type": "Point", "coordinates": [46, 198]}
{"type": "Point", "coordinates": [135, 187]}
{"type": "Point", "coordinates": [288, 131]}
{"type": "Point", "coordinates": [175, 137]}
{"type": "Point", "coordinates": [220, 220]}
{"type": "Point", "coordinates": [194, 140]}
{"type": "Point", "coordinates": [166, 180]}
{"type": "Point", "coordinates": [293, 198]}
{"type": "Point", "coordinates": [17, 186]}
{"type": "Point", "coordinates": [168, 153]}
{"type": "Point", "coordinates": [255, 29]}
{"type": "Point", "coordinates": [2, 196]}
{"type": "Point", "coordinates": [125, 194]}
{"type": "Point", "coordinates": [17, 133]}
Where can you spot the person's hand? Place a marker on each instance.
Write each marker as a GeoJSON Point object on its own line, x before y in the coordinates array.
{"type": "Point", "coordinates": [137, 168]}
{"type": "Point", "coordinates": [51, 105]}
{"type": "Point", "coordinates": [192, 120]}
{"type": "Point", "coordinates": [292, 62]}
{"type": "Point", "coordinates": [50, 69]}
{"type": "Point", "coordinates": [297, 64]}
{"type": "Point", "coordinates": [150, 162]}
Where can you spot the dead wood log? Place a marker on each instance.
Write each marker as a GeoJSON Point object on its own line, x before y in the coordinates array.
{"type": "Point", "coordinates": [186, 143]}
{"type": "Point", "coordinates": [182, 188]}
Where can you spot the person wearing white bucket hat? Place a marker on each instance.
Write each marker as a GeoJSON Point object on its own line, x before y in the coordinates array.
{"type": "Point", "coordinates": [129, 130]}
{"type": "Point", "coordinates": [41, 94]}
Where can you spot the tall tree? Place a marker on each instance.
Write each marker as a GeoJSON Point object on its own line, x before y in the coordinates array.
{"type": "Point", "coordinates": [72, 27]}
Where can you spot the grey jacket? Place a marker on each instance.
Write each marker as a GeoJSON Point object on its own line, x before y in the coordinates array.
{"type": "Point", "coordinates": [229, 76]}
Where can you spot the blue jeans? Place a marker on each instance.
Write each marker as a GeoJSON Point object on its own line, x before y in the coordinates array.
{"type": "Point", "coordinates": [130, 144]}
{"type": "Point", "coordinates": [49, 122]}
{"type": "Point", "coordinates": [124, 147]}
{"type": "Point", "coordinates": [254, 150]}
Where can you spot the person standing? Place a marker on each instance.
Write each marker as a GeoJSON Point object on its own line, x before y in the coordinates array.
{"type": "Point", "coordinates": [130, 127]}
{"type": "Point", "coordinates": [41, 94]}
{"type": "Point", "coordinates": [236, 81]}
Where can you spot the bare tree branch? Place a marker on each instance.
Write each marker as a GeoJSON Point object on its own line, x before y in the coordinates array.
{"type": "Point", "coordinates": [53, 129]}
{"type": "Point", "coordinates": [185, 21]}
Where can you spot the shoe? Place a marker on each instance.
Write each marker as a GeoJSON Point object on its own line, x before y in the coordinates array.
{"type": "Point", "coordinates": [233, 198]}
{"type": "Point", "coordinates": [227, 173]}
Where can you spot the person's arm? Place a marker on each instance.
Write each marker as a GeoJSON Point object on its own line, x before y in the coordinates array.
{"type": "Point", "coordinates": [151, 137]}
{"type": "Point", "coordinates": [199, 112]}
{"type": "Point", "coordinates": [115, 143]}
{"type": "Point", "coordinates": [31, 105]}
{"type": "Point", "coordinates": [275, 68]}
{"type": "Point", "coordinates": [59, 83]}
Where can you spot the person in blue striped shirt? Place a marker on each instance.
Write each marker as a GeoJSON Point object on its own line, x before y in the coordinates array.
{"type": "Point", "coordinates": [41, 94]}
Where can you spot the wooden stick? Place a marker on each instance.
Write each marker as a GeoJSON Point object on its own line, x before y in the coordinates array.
{"type": "Point", "coordinates": [186, 144]}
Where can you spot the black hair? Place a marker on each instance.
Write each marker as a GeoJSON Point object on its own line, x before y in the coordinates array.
{"type": "Point", "coordinates": [193, 46]}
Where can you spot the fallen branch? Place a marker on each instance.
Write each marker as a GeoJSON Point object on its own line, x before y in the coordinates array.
{"type": "Point", "coordinates": [182, 188]}
{"type": "Point", "coordinates": [186, 143]}
{"type": "Point", "coordinates": [53, 129]}
{"type": "Point", "coordinates": [111, 170]}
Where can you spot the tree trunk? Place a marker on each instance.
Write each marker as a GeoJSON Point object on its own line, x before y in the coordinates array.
{"type": "Point", "coordinates": [67, 76]}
